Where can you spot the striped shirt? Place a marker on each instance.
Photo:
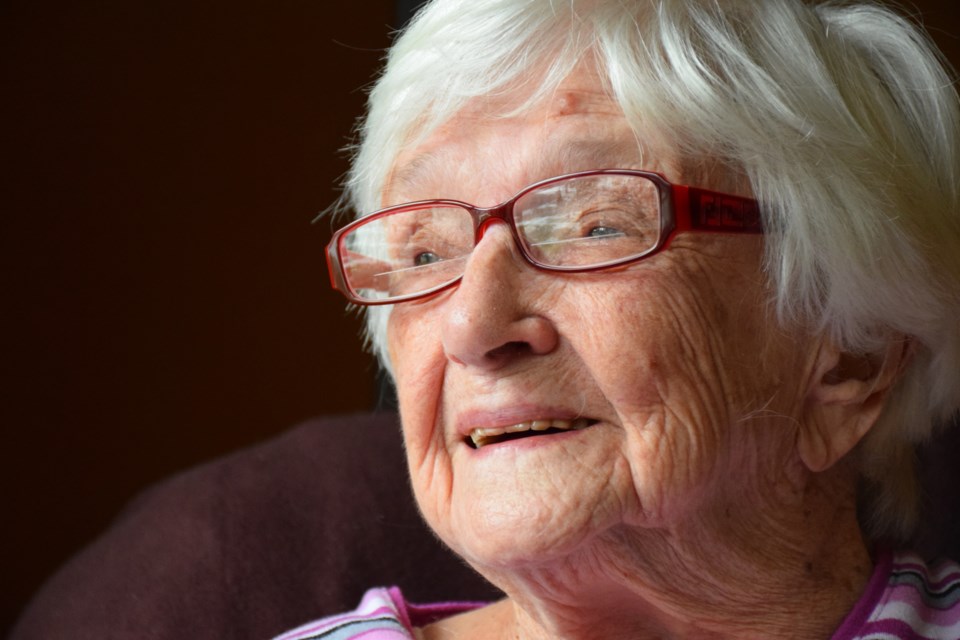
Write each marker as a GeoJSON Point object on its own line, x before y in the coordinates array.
{"type": "Point", "coordinates": [904, 600]}
{"type": "Point", "coordinates": [383, 614]}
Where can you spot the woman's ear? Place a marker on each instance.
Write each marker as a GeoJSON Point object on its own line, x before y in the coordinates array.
{"type": "Point", "coordinates": [845, 396]}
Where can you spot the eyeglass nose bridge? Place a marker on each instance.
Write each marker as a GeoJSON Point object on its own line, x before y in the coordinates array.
{"type": "Point", "coordinates": [483, 217]}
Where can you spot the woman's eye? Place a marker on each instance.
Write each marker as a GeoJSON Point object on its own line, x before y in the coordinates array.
{"type": "Point", "coordinates": [602, 231]}
{"type": "Point", "coordinates": [424, 258]}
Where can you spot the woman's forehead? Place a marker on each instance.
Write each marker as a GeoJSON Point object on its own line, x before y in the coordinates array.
{"type": "Point", "coordinates": [506, 155]}
{"type": "Point", "coordinates": [547, 158]}
{"type": "Point", "coordinates": [578, 126]}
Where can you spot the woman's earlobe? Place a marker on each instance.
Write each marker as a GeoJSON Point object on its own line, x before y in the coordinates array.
{"type": "Point", "coordinates": [846, 394]}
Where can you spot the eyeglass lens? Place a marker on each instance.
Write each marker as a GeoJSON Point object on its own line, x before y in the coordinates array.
{"type": "Point", "coordinates": [575, 223]}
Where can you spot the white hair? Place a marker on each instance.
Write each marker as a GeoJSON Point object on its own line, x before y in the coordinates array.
{"type": "Point", "coordinates": [842, 116]}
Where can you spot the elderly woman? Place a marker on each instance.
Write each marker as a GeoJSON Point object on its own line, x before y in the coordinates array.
{"type": "Point", "coordinates": [669, 290]}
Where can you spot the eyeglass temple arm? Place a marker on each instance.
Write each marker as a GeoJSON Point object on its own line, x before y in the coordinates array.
{"type": "Point", "coordinates": [703, 210]}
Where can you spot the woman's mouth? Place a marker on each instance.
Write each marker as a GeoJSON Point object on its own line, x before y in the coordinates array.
{"type": "Point", "coordinates": [493, 435]}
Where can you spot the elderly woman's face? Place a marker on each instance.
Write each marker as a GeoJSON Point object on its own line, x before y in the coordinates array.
{"type": "Point", "coordinates": [661, 362]}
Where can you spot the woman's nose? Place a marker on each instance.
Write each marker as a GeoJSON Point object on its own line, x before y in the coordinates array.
{"type": "Point", "coordinates": [490, 319]}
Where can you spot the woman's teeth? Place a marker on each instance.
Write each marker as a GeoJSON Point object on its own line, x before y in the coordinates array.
{"type": "Point", "coordinates": [481, 437]}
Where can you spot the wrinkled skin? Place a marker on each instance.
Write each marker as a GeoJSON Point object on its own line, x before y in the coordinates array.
{"type": "Point", "coordinates": [687, 497]}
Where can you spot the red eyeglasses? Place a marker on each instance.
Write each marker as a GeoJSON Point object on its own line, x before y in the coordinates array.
{"type": "Point", "coordinates": [576, 222]}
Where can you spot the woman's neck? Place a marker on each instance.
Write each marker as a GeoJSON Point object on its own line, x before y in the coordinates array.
{"type": "Point", "coordinates": [789, 571]}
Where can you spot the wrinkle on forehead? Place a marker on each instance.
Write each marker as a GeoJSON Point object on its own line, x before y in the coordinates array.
{"type": "Point", "coordinates": [582, 126]}
{"type": "Point", "coordinates": [567, 101]}
{"type": "Point", "coordinates": [556, 155]}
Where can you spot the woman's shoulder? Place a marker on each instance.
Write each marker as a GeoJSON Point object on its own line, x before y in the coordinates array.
{"type": "Point", "coordinates": [908, 597]}
{"type": "Point", "coordinates": [383, 614]}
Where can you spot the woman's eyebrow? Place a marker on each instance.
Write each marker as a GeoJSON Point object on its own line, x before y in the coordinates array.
{"type": "Point", "coordinates": [584, 154]}
{"type": "Point", "coordinates": [411, 173]}
{"type": "Point", "coordinates": [555, 158]}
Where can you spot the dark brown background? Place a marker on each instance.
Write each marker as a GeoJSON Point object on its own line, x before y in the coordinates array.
{"type": "Point", "coordinates": [164, 297]}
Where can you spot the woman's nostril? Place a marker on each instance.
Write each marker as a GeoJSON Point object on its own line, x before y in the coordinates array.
{"type": "Point", "coordinates": [509, 350]}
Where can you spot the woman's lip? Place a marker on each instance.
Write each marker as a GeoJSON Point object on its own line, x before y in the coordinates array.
{"type": "Point", "coordinates": [470, 420]}
{"type": "Point", "coordinates": [484, 436]}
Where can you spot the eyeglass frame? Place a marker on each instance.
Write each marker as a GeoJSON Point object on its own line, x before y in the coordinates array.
{"type": "Point", "coordinates": [682, 208]}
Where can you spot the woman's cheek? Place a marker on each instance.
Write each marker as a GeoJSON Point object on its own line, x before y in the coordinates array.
{"type": "Point", "coordinates": [418, 362]}
{"type": "Point", "coordinates": [659, 372]}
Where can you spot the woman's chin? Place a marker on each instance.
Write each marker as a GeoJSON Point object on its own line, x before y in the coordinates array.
{"type": "Point", "coordinates": [529, 502]}
{"type": "Point", "coordinates": [513, 535]}
{"type": "Point", "coordinates": [512, 554]}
